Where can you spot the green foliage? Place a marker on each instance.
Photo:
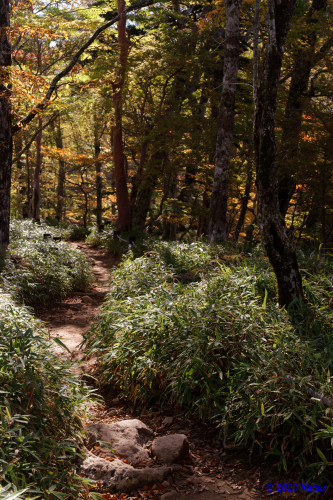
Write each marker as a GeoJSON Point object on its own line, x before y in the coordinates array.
{"type": "Point", "coordinates": [40, 430]}
{"type": "Point", "coordinates": [76, 232]}
{"type": "Point", "coordinates": [39, 269]}
{"type": "Point", "coordinates": [221, 348]}
{"type": "Point", "coordinates": [100, 239]}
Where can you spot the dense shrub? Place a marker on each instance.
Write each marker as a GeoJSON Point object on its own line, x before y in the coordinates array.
{"type": "Point", "coordinates": [40, 400]}
{"type": "Point", "coordinates": [119, 246]}
{"type": "Point", "coordinates": [39, 404]}
{"type": "Point", "coordinates": [219, 346]}
{"type": "Point", "coordinates": [39, 269]}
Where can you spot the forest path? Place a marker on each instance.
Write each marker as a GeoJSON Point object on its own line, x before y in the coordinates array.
{"type": "Point", "coordinates": [70, 319]}
{"type": "Point", "coordinates": [208, 473]}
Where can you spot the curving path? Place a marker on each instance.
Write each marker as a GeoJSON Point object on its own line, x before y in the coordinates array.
{"type": "Point", "coordinates": [209, 473]}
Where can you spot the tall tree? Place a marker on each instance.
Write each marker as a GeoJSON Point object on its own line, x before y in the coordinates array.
{"type": "Point", "coordinates": [124, 211]}
{"type": "Point", "coordinates": [5, 122]}
{"type": "Point", "coordinates": [279, 250]}
{"type": "Point", "coordinates": [219, 200]}
{"type": "Point", "coordinates": [98, 170]}
{"type": "Point", "coordinates": [38, 165]}
{"type": "Point", "coordinates": [304, 60]}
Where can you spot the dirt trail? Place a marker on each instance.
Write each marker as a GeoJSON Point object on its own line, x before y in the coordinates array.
{"type": "Point", "coordinates": [70, 319]}
{"type": "Point", "coordinates": [208, 473]}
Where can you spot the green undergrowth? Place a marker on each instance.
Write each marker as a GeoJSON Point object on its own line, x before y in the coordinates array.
{"type": "Point", "coordinates": [40, 400]}
{"type": "Point", "coordinates": [37, 270]}
{"type": "Point", "coordinates": [115, 246]}
{"type": "Point", "coordinates": [199, 327]}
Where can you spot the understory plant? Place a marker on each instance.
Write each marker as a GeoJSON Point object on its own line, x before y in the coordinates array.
{"type": "Point", "coordinates": [39, 268]}
{"type": "Point", "coordinates": [199, 327]}
{"type": "Point", "coordinates": [40, 402]}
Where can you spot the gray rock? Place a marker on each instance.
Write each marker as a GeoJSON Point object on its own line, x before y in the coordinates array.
{"type": "Point", "coordinates": [167, 421]}
{"type": "Point", "coordinates": [126, 437]}
{"type": "Point", "coordinates": [170, 449]}
{"type": "Point", "coordinates": [87, 300]}
{"type": "Point", "coordinates": [170, 495]}
{"type": "Point", "coordinates": [117, 476]}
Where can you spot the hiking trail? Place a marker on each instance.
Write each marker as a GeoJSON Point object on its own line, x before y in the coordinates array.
{"type": "Point", "coordinates": [208, 472]}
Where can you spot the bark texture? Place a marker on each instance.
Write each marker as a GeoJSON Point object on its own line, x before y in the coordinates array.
{"type": "Point", "coordinates": [6, 148]}
{"type": "Point", "coordinates": [273, 231]}
{"type": "Point", "coordinates": [219, 200]}
{"type": "Point", "coordinates": [124, 212]}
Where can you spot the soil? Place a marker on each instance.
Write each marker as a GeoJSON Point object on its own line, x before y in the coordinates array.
{"type": "Point", "coordinates": [210, 472]}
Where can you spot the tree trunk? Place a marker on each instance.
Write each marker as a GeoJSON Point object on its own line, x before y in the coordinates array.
{"type": "Point", "coordinates": [38, 167]}
{"type": "Point", "coordinates": [124, 212]}
{"type": "Point", "coordinates": [302, 65]}
{"type": "Point", "coordinates": [219, 199]}
{"type": "Point", "coordinates": [6, 147]}
{"type": "Point", "coordinates": [245, 201]}
{"type": "Point", "coordinates": [98, 167]}
{"type": "Point", "coordinates": [248, 184]}
{"type": "Point", "coordinates": [37, 171]}
{"type": "Point", "coordinates": [61, 171]}
{"type": "Point", "coordinates": [22, 175]}
{"type": "Point", "coordinates": [277, 245]}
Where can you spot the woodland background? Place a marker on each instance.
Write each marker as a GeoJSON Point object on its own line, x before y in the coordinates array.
{"type": "Point", "coordinates": [194, 139]}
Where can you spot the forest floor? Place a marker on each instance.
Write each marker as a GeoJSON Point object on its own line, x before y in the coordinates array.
{"type": "Point", "coordinates": [209, 473]}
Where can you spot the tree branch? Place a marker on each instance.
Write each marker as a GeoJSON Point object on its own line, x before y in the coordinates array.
{"type": "Point", "coordinates": [28, 144]}
{"type": "Point", "coordinates": [75, 59]}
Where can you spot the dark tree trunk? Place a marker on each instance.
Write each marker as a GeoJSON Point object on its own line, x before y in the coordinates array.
{"type": "Point", "coordinates": [204, 216]}
{"type": "Point", "coordinates": [99, 184]}
{"type": "Point", "coordinates": [22, 175]}
{"type": "Point", "coordinates": [29, 196]}
{"type": "Point", "coordinates": [124, 212]}
{"type": "Point", "coordinates": [38, 167]}
{"type": "Point", "coordinates": [276, 242]}
{"type": "Point", "coordinates": [6, 147]}
{"type": "Point", "coordinates": [244, 203]}
{"type": "Point", "coordinates": [170, 227]}
{"type": "Point", "coordinates": [61, 171]}
{"type": "Point", "coordinates": [37, 171]}
{"type": "Point", "coordinates": [138, 179]}
{"type": "Point", "coordinates": [302, 65]}
{"type": "Point", "coordinates": [219, 199]}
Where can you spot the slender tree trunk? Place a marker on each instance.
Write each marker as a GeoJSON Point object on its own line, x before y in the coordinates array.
{"type": "Point", "coordinates": [124, 212]}
{"type": "Point", "coordinates": [219, 200]}
{"type": "Point", "coordinates": [37, 171]}
{"type": "Point", "coordinates": [22, 175]}
{"type": "Point", "coordinates": [244, 203]}
{"type": "Point", "coordinates": [99, 184]}
{"type": "Point", "coordinates": [302, 65]}
{"type": "Point", "coordinates": [61, 171]}
{"type": "Point", "coordinates": [6, 147]}
{"type": "Point", "coordinates": [170, 191]}
{"type": "Point", "coordinates": [276, 242]}
{"type": "Point", "coordinates": [324, 183]}
{"type": "Point", "coordinates": [38, 167]}
{"type": "Point", "coordinates": [29, 197]}
{"type": "Point", "coordinates": [248, 184]}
